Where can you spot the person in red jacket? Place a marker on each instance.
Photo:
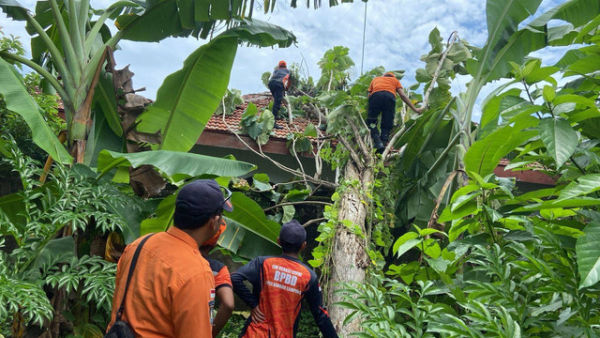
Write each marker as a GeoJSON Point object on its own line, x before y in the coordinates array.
{"type": "Point", "coordinates": [223, 286]}
{"type": "Point", "coordinates": [279, 284]}
{"type": "Point", "coordinates": [382, 99]}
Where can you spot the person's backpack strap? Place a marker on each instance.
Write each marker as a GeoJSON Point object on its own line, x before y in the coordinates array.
{"type": "Point", "coordinates": [130, 274]}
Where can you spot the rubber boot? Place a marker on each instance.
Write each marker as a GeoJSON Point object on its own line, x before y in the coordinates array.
{"type": "Point", "coordinates": [276, 125]}
{"type": "Point", "coordinates": [377, 144]}
{"type": "Point", "coordinates": [385, 136]}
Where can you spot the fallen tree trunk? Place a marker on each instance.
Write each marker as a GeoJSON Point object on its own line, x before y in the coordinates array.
{"type": "Point", "coordinates": [349, 256]}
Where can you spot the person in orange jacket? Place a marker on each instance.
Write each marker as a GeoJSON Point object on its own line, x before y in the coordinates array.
{"type": "Point", "coordinates": [172, 288]}
{"type": "Point", "coordinates": [223, 286]}
{"type": "Point", "coordinates": [382, 99]}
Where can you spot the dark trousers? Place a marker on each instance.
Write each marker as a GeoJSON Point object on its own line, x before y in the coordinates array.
{"type": "Point", "coordinates": [382, 102]}
{"type": "Point", "coordinates": [276, 88]}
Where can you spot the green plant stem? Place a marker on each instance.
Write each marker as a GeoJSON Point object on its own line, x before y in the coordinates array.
{"type": "Point", "coordinates": [57, 57]}
{"type": "Point", "coordinates": [452, 143]}
{"type": "Point", "coordinates": [93, 33]}
{"type": "Point", "coordinates": [530, 98]}
{"type": "Point", "coordinates": [39, 69]}
{"type": "Point", "coordinates": [488, 222]}
{"type": "Point", "coordinates": [84, 8]}
{"type": "Point", "coordinates": [70, 54]}
{"type": "Point", "coordinates": [76, 34]}
{"type": "Point", "coordinates": [90, 68]}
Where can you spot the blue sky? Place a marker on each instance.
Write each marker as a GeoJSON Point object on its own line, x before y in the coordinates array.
{"type": "Point", "coordinates": [396, 37]}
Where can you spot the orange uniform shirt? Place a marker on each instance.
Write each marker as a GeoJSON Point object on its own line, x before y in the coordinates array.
{"type": "Point", "coordinates": [279, 285]}
{"type": "Point", "coordinates": [387, 83]}
{"type": "Point", "coordinates": [221, 273]}
{"type": "Point", "coordinates": [172, 288]}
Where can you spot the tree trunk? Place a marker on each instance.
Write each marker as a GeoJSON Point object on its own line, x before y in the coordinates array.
{"type": "Point", "coordinates": [349, 256]}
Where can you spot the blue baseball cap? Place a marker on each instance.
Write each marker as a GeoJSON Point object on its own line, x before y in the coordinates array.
{"type": "Point", "coordinates": [202, 197]}
{"type": "Point", "coordinates": [292, 233]}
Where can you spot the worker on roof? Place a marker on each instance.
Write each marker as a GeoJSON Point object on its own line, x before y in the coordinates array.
{"type": "Point", "coordinates": [382, 99]}
{"type": "Point", "coordinates": [278, 84]}
{"type": "Point", "coordinates": [223, 286]}
{"type": "Point", "coordinates": [279, 283]}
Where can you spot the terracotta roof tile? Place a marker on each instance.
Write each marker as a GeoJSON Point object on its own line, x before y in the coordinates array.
{"type": "Point", "coordinates": [261, 101]}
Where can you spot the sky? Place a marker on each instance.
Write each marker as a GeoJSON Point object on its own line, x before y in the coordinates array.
{"type": "Point", "coordinates": [396, 37]}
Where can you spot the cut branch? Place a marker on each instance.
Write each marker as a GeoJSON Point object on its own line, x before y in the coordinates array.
{"type": "Point", "coordinates": [434, 215]}
{"type": "Point", "coordinates": [277, 164]}
{"type": "Point", "coordinates": [395, 138]}
{"type": "Point", "coordinates": [361, 143]}
{"type": "Point", "coordinates": [451, 40]}
{"type": "Point", "coordinates": [295, 203]}
{"type": "Point", "coordinates": [352, 152]}
{"type": "Point", "coordinates": [313, 221]}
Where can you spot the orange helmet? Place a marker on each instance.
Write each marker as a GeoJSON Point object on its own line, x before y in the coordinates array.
{"type": "Point", "coordinates": [213, 240]}
{"type": "Point", "coordinates": [389, 74]}
{"type": "Point", "coordinates": [282, 64]}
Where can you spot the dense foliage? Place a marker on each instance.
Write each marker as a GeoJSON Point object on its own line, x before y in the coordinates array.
{"type": "Point", "coordinates": [451, 248]}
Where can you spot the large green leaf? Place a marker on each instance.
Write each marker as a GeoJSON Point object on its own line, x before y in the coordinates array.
{"type": "Point", "coordinates": [245, 243]}
{"type": "Point", "coordinates": [174, 163]}
{"type": "Point", "coordinates": [419, 135]}
{"type": "Point", "coordinates": [19, 101]}
{"type": "Point", "coordinates": [552, 204]}
{"type": "Point", "coordinates": [13, 9]}
{"type": "Point", "coordinates": [187, 98]}
{"type": "Point", "coordinates": [163, 217]}
{"type": "Point", "coordinates": [484, 155]}
{"type": "Point", "coordinates": [164, 18]}
{"type": "Point", "coordinates": [101, 137]}
{"type": "Point", "coordinates": [576, 12]}
{"type": "Point", "coordinates": [584, 185]}
{"type": "Point", "coordinates": [406, 242]}
{"type": "Point", "coordinates": [588, 255]}
{"type": "Point", "coordinates": [262, 34]}
{"type": "Point", "coordinates": [503, 18]}
{"type": "Point", "coordinates": [559, 138]}
{"type": "Point", "coordinates": [106, 102]}
{"type": "Point", "coordinates": [491, 108]}
{"type": "Point", "coordinates": [251, 216]}
{"type": "Point", "coordinates": [505, 43]}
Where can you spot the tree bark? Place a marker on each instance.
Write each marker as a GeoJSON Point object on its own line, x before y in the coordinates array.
{"type": "Point", "coordinates": [349, 256]}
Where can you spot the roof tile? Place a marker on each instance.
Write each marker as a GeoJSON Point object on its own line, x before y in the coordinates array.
{"type": "Point", "coordinates": [232, 121]}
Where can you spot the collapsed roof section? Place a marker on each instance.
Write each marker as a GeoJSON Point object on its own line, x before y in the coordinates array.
{"type": "Point", "coordinates": [219, 131]}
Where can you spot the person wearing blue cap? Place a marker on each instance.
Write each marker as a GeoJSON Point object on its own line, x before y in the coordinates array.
{"type": "Point", "coordinates": [279, 283]}
{"type": "Point", "coordinates": [170, 290]}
